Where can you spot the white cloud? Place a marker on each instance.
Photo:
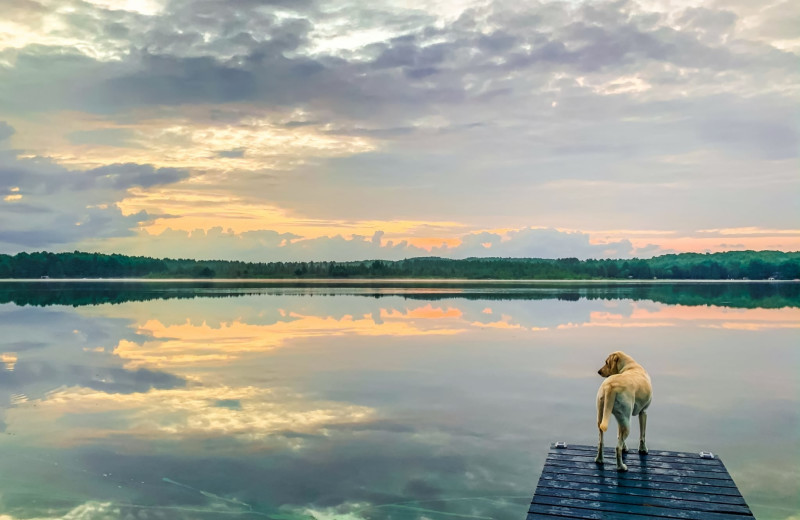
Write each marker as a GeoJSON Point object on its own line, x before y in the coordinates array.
{"type": "Point", "coordinates": [267, 245]}
{"type": "Point", "coordinates": [92, 510]}
{"type": "Point", "coordinates": [185, 413]}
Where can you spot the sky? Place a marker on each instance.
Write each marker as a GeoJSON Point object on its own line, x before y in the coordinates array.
{"type": "Point", "coordinates": [342, 130]}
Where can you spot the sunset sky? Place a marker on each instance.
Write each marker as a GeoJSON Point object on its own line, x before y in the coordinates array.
{"type": "Point", "coordinates": [336, 130]}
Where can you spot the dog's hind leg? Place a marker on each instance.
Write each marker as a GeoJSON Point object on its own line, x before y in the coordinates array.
{"type": "Point", "coordinates": [624, 430]}
{"type": "Point", "coordinates": [599, 458]}
{"type": "Point", "coordinates": [642, 430]}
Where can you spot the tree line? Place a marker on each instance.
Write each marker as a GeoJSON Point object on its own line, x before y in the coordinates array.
{"type": "Point", "coordinates": [753, 265]}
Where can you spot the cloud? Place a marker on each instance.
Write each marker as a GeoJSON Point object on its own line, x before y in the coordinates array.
{"type": "Point", "coordinates": [217, 243]}
{"type": "Point", "coordinates": [117, 137]}
{"type": "Point", "coordinates": [6, 131]}
{"type": "Point", "coordinates": [123, 176]}
{"type": "Point", "coordinates": [526, 242]}
{"type": "Point", "coordinates": [236, 153]}
{"type": "Point", "coordinates": [107, 380]}
{"type": "Point", "coordinates": [96, 224]}
{"type": "Point", "coordinates": [242, 51]}
{"type": "Point", "coordinates": [190, 414]}
{"type": "Point", "coordinates": [540, 243]}
{"type": "Point", "coordinates": [91, 510]}
{"type": "Point", "coordinates": [493, 115]}
{"type": "Point", "coordinates": [47, 205]}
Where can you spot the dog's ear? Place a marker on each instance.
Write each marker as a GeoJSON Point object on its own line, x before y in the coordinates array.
{"type": "Point", "coordinates": [617, 363]}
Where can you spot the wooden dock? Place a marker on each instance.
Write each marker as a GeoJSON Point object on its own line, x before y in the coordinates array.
{"type": "Point", "coordinates": [662, 484]}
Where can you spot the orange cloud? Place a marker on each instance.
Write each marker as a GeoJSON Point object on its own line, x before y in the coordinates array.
{"type": "Point", "coordinates": [713, 240]}
{"type": "Point", "coordinates": [187, 344]}
{"type": "Point", "coordinates": [714, 313]}
{"type": "Point", "coordinates": [428, 312]}
{"type": "Point", "coordinates": [706, 316]}
{"type": "Point", "coordinates": [200, 210]}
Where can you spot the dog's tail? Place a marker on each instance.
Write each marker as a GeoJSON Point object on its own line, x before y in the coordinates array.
{"type": "Point", "coordinates": [608, 405]}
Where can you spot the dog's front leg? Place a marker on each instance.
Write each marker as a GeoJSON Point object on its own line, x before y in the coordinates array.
{"type": "Point", "coordinates": [642, 430]}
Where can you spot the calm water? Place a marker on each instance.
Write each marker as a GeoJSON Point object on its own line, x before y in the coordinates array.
{"type": "Point", "coordinates": [200, 400]}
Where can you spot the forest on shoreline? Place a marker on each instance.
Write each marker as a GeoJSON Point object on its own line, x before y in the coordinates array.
{"type": "Point", "coordinates": [738, 265]}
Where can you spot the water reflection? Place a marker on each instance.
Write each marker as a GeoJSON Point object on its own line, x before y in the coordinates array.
{"type": "Point", "coordinates": [87, 292]}
{"type": "Point", "coordinates": [289, 403]}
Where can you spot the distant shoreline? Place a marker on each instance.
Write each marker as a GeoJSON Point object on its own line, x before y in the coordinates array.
{"type": "Point", "coordinates": [351, 281]}
{"type": "Point", "coordinates": [718, 267]}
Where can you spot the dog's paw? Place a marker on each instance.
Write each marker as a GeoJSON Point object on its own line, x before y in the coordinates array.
{"type": "Point", "coordinates": [643, 448]}
{"type": "Point", "coordinates": [622, 468]}
{"type": "Point", "coordinates": [598, 460]}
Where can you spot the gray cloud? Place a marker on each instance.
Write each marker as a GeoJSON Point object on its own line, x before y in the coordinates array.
{"type": "Point", "coordinates": [123, 176]}
{"type": "Point", "coordinates": [235, 153]}
{"type": "Point", "coordinates": [62, 354]}
{"type": "Point", "coordinates": [45, 205]}
{"type": "Point", "coordinates": [111, 380]}
{"type": "Point", "coordinates": [164, 79]}
{"type": "Point", "coordinates": [6, 131]}
{"type": "Point", "coordinates": [121, 137]}
{"type": "Point", "coordinates": [239, 51]}
{"type": "Point", "coordinates": [62, 227]}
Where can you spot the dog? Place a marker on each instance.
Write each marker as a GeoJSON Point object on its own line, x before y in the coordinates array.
{"type": "Point", "coordinates": [626, 391]}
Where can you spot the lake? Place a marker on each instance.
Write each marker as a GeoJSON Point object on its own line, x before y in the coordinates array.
{"type": "Point", "coordinates": [373, 400]}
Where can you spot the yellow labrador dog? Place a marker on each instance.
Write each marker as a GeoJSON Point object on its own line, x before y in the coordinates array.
{"type": "Point", "coordinates": [626, 391]}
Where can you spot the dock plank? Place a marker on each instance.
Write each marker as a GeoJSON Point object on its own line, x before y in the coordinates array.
{"type": "Point", "coordinates": [655, 456]}
{"type": "Point", "coordinates": [675, 454]}
{"type": "Point", "coordinates": [677, 502]}
{"type": "Point", "coordinates": [650, 461]}
{"type": "Point", "coordinates": [662, 485]}
{"type": "Point", "coordinates": [684, 495]}
{"type": "Point", "coordinates": [592, 510]}
{"type": "Point", "coordinates": [613, 475]}
{"type": "Point", "coordinates": [627, 485]}
{"type": "Point", "coordinates": [635, 468]}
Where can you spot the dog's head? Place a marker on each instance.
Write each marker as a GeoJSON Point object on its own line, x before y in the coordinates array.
{"type": "Point", "coordinates": [615, 362]}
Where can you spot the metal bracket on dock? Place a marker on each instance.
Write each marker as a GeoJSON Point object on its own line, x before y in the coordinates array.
{"type": "Point", "coordinates": [706, 455]}
{"type": "Point", "coordinates": [560, 445]}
